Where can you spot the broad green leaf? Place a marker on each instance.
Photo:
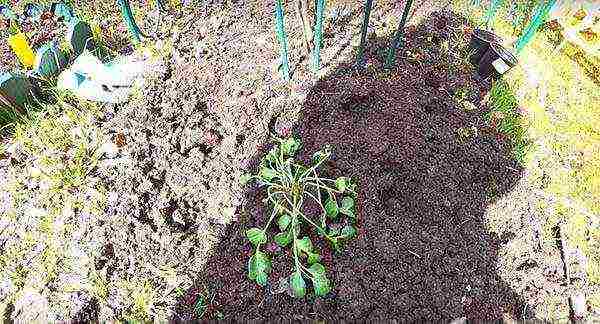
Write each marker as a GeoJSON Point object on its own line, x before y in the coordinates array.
{"type": "Point", "coordinates": [348, 207]}
{"type": "Point", "coordinates": [342, 183]}
{"type": "Point", "coordinates": [267, 173]}
{"type": "Point", "coordinates": [283, 239]}
{"type": "Point", "coordinates": [259, 266]}
{"type": "Point", "coordinates": [256, 236]}
{"type": "Point", "coordinates": [261, 278]}
{"type": "Point", "coordinates": [304, 245]}
{"type": "Point", "coordinates": [252, 268]}
{"type": "Point", "coordinates": [298, 285]}
{"type": "Point", "coordinates": [284, 221]}
{"type": "Point", "coordinates": [313, 258]}
{"type": "Point", "coordinates": [348, 203]}
{"type": "Point", "coordinates": [245, 178]}
{"type": "Point", "coordinates": [317, 269]}
{"type": "Point", "coordinates": [320, 282]}
{"type": "Point", "coordinates": [321, 285]}
{"type": "Point", "coordinates": [331, 208]}
{"type": "Point", "coordinates": [349, 231]}
{"type": "Point", "coordinates": [289, 146]}
{"type": "Point", "coordinates": [263, 264]}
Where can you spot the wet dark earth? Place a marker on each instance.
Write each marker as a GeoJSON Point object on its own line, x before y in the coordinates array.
{"type": "Point", "coordinates": [427, 168]}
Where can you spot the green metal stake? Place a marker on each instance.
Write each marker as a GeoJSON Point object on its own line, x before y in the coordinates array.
{"type": "Point", "coordinates": [491, 12]}
{"type": "Point", "coordinates": [391, 57]}
{"type": "Point", "coordinates": [360, 60]}
{"type": "Point", "coordinates": [130, 21]}
{"type": "Point", "coordinates": [318, 39]}
{"type": "Point", "coordinates": [282, 40]}
{"type": "Point", "coordinates": [161, 5]}
{"type": "Point", "coordinates": [535, 23]}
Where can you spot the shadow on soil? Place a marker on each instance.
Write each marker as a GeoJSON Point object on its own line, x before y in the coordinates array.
{"type": "Point", "coordinates": [428, 167]}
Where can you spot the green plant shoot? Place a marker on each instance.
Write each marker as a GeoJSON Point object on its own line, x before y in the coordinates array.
{"type": "Point", "coordinates": [290, 187]}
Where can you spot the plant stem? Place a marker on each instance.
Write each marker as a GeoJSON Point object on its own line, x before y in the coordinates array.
{"type": "Point", "coordinates": [317, 226]}
{"type": "Point", "coordinates": [271, 218]}
{"type": "Point", "coordinates": [314, 167]}
{"type": "Point", "coordinates": [323, 187]}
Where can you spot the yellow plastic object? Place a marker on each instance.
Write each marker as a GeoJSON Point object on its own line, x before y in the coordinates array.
{"type": "Point", "coordinates": [20, 46]}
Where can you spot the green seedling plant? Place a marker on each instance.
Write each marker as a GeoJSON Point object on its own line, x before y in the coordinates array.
{"type": "Point", "coordinates": [290, 185]}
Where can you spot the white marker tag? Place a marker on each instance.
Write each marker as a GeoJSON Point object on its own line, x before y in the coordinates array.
{"type": "Point", "coordinates": [500, 66]}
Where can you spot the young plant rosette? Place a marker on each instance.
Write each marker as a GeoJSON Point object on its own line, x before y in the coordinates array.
{"type": "Point", "coordinates": [290, 185]}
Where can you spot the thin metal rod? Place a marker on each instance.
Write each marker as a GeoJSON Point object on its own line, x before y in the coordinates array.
{"type": "Point", "coordinates": [318, 39]}
{"type": "Point", "coordinates": [391, 57]}
{"type": "Point", "coordinates": [282, 40]}
{"type": "Point", "coordinates": [360, 60]}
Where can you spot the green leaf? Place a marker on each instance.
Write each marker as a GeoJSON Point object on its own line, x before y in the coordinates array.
{"type": "Point", "coordinates": [261, 278]}
{"type": "Point", "coordinates": [331, 208]}
{"type": "Point", "coordinates": [321, 285]}
{"type": "Point", "coordinates": [319, 278]}
{"type": "Point", "coordinates": [349, 231]}
{"type": "Point", "coordinates": [289, 146]}
{"type": "Point", "coordinates": [259, 266]}
{"type": "Point", "coordinates": [348, 207]}
{"type": "Point", "coordinates": [284, 221]}
{"type": "Point", "coordinates": [348, 203]}
{"type": "Point", "coordinates": [283, 239]}
{"type": "Point", "coordinates": [252, 268]}
{"type": "Point", "coordinates": [304, 245]}
{"type": "Point", "coordinates": [245, 178]}
{"type": "Point", "coordinates": [267, 173]}
{"type": "Point", "coordinates": [313, 258]}
{"type": "Point", "coordinates": [256, 236]}
{"type": "Point", "coordinates": [317, 269]}
{"type": "Point", "coordinates": [342, 183]}
{"type": "Point", "coordinates": [298, 285]}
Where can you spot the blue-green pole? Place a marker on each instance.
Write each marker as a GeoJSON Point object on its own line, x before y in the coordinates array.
{"type": "Point", "coordinates": [318, 39]}
{"type": "Point", "coordinates": [533, 26]}
{"type": "Point", "coordinates": [361, 50]}
{"type": "Point", "coordinates": [491, 12]}
{"type": "Point", "coordinates": [282, 40]}
{"type": "Point", "coordinates": [391, 57]}
{"type": "Point", "coordinates": [130, 21]}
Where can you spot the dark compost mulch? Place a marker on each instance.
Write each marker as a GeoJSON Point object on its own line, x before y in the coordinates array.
{"type": "Point", "coordinates": [423, 252]}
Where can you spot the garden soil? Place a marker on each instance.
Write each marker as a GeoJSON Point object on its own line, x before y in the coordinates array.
{"type": "Point", "coordinates": [433, 174]}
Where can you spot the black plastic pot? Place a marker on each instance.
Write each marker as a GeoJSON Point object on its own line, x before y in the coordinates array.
{"type": "Point", "coordinates": [479, 44]}
{"type": "Point", "coordinates": [496, 61]}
